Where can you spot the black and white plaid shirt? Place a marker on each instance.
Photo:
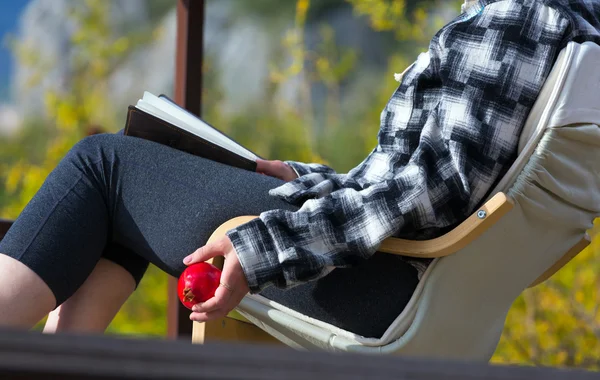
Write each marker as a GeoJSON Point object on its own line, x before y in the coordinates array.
{"type": "Point", "coordinates": [448, 133]}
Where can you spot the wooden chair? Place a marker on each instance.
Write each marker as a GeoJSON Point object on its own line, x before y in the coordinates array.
{"type": "Point", "coordinates": [535, 222]}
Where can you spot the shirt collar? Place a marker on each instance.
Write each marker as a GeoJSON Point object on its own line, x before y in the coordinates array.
{"type": "Point", "coordinates": [468, 4]}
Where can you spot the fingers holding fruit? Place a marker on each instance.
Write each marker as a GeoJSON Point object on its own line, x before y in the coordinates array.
{"type": "Point", "coordinates": [206, 290]}
{"type": "Point", "coordinates": [217, 248]}
{"type": "Point", "coordinates": [207, 311]}
{"type": "Point", "coordinates": [231, 290]}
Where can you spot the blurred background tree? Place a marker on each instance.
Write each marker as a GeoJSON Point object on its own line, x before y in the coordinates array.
{"type": "Point", "coordinates": [332, 116]}
{"type": "Point", "coordinates": [557, 323]}
{"type": "Point", "coordinates": [83, 108]}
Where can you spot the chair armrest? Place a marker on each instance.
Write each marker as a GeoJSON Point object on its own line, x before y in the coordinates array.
{"type": "Point", "coordinates": [220, 232]}
{"type": "Point", "coordinates": [455, 240]}
{"type": "Point", "coordinates": [228, 225]}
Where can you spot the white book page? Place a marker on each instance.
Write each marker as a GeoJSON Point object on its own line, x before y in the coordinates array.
{"type": "Point", "coordinates": [171, 113]}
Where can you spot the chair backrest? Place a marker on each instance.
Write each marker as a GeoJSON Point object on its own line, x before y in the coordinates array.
{"type": "Point", "coordinates": [459, 307]}
{"type": "Point", "coordinates": [555, 187]}
{"type": "Point", "coordinates": [570, 95]}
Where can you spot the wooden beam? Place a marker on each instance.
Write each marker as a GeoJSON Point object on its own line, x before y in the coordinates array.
{"type": "Point", "coordinates": [189, 55]}
{"type": "Point", "coordinates": [188, 94]}
{"type": "Point", "coordinates": [29, 356]}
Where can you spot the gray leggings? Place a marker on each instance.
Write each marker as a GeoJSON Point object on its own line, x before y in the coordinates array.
{"type": "Point", "coordinates": [133, 201]}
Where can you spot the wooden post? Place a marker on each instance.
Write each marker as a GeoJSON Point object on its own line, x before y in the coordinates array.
{"type": "Point", "coordinates": [188, 94]}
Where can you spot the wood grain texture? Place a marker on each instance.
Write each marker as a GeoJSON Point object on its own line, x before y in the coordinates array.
{"type": "Point", "coordinates": [230, 330]}
{"type": "Point", "coordinates": [36, 356]}
{"type": "Point", "coordinates": [445, 245]}
{"type": "Point", "coordinates": [455, 240]}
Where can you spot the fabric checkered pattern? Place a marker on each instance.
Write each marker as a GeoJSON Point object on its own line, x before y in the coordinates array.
{"type": "Point", "coordinates": [448, 134]}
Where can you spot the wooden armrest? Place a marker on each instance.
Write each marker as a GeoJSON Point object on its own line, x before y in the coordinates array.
{"type": "Point", "coordinates": [228, 225]}
{"type": "Point", "coordinates": [455, 240]}
{"type": "Point", "coordinates": [444, 245]}
{"type": "Point", "coordinates": [220, 232]}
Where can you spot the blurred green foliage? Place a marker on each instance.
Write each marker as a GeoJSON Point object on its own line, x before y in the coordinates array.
{"type": "Point", "coordinates": [556, 323]}
{"type": "Point", "coordinates": [27, 158]}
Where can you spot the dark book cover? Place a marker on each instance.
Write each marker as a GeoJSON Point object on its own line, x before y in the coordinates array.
{"type": "Point", "coordinates": [143, 125]}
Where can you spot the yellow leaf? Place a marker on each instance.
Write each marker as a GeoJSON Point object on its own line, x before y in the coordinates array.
{"type": "Point", "coordinates": [13, 178]}
{"type": "Point", "coordinates": [121, 45]}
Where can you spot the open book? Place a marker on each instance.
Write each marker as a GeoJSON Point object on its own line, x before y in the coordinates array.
{"type": "Point", "coordinates": [159, 119]}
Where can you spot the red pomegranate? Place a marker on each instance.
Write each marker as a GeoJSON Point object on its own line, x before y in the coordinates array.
{"type": "Point", "coordinates": [198, 283]}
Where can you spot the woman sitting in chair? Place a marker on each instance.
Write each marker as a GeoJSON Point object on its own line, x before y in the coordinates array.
{"type": "Point", "coordinates": [449, 132]}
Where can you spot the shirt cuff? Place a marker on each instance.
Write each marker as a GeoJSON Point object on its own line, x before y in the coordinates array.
{"type": "Point", "coordinates": [299, 167]}
{"type": "Point", "coordinates": [256, 253]}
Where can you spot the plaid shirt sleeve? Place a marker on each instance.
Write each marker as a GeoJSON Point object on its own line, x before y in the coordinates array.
{"type": "Point", "coordinates": [302, 169]}
{"type": "Point", "coordinates": [447, 134]}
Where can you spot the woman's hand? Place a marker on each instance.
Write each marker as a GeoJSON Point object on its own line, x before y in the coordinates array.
{"type": "Point", "coordinates": [277, 169]}
{"type": "Point", "coordinates": [233, 285]}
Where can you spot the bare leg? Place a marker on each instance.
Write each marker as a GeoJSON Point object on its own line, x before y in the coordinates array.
{"type": "Point", "coordinates": [96, 302]}
{"type": "Point", "coordinates": [151, 199]}
{"type": "Point", "coordinates": [24, 297]}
